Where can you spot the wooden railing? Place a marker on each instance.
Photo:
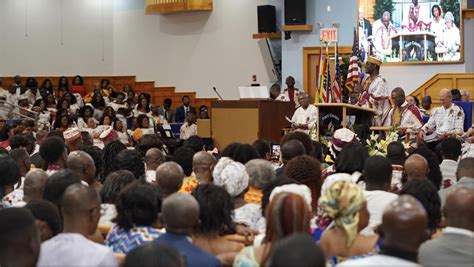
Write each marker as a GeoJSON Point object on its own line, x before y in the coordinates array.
{"type": "Point", "coordinates": [445, 80]}
{"type": "Point", "coordinates": [176, 6]}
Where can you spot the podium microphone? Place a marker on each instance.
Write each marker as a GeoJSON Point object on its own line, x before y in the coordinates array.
{"type": "Point", "coordinates": [215, 90]}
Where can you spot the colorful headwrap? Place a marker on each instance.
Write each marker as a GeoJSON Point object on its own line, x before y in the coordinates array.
{"type": "Point", "coordinates": [71, 134]}
{"type": "Point", "coordinates": [342, 202]}
{"type": "Point", "coordinates": [297, 189]}
{"type": "Point", "coordinates": [231, 175]}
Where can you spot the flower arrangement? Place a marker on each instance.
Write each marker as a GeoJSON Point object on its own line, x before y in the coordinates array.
{"type": "Point", "coordinates": [378, 146]}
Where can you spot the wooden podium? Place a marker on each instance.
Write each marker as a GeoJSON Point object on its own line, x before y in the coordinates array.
{"type": "Point", "coordinates": [245, 121]}
{"type": "Point", "coordinates": [342, 110]}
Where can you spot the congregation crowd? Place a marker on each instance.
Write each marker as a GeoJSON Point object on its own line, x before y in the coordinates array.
{"type": "Point", "coordinates": [93, 161]}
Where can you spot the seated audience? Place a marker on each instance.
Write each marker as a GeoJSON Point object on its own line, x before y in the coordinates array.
{"type": "Point", "coordinates": [47, 218]}
{"type": "Point", "coordinates": [464, 177]}
{"type": "Point", "coordinates": [215, 215]}
{"type": "Point", "coordinates": [166, 111]}
{"type": "Point", "coordinates": [450, 151]}
{"type": "Point", "coordinates": [77, 86]}
{"type": "Point", "coordinates": [416, 167]}
{"type": "Point", "coordinates": [377, 176]}
{"type": "Point", "coordinates": [73, 139]}
{"type": "Point", "coordinates": [344, 202]}
{"type": "Point", "coordinates": [260, 173]}
{"type": "Point", "coordinates": [465, 95]}
{"type": "Point", "coordinates": [264, 148]}
{"type": "Point", "coordinates": [9, 176]}
{"type": "Point", "coordinates": [403, 225]}
{"type": "Point", "coordinates": [403, 115]}
{"type": "Point", "coordinates": [82, 164]}
{"type": "Point", "coordinates": [456, 245]}
{"type": "Point", "coordinates": [306, 170]}
{"type": "Point", "coordinates": [19, 238]}
{"type": "Point", "coordinates": [203, 165]}
{"type": "Point", "coordinates": [81, 212]}
{"type": "Point", "coordinates": [189, 128]}
{"type": "Point", "coordinates": [151, 254]}
{"type": "Point", "coordinates": [53, 152]}
{"type": "Point", "coordinates": [153, 158]}
{"type": "Point", "coordinates": [426, 106]}
{"type": "Point", "coordinates": [180, 216]}
{"type": "Point", "coordinates": [396, 155]}
{"type": "Point", "coordinates": [169, 178]}
{"type": "Point", "coordinates": [35, 181]}
{"type": "Point", "coordinates": [297, 249]}
{"type": "Point", "coordinates": [242, 153]}
{"type": "Point", "coordinates": [231, 175]}
{"type": "Point", "coordinates": [114, 183]}
{"type": "Point", "coordinates": [427, 195]}
{"type": "Point", "coordinates": [434, 174]}
{"type": "Point", "coordinates": [137, 207]}
{"type": "Point", "coordinates": [285, 215]}
{"type": "Point", "coordinates": [289, 150]}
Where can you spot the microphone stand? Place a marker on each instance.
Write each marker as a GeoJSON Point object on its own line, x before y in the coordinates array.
{"type": "Point", "coordinates": [215, 90]}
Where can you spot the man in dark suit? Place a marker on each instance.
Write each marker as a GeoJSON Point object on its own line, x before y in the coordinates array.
{"type": "Point", "coordinates": [183, 110]}
{"type": "Point", "coordinates": [180, 214]}
{"type": "Point", "coordinates": [455, 247]}
{"type": "Point", "coordinates": [166, 111]}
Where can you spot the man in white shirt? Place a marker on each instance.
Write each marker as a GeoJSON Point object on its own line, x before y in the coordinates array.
{"type": "Point", "coordinates": [81, 213]}
{"type": "Point", "coordinates": [444, 121]}
{"type": "Point", "coordinates": [455, 247]}
{"type": "Point", "coordinates": [306, 116]}
{"type": "Point", "coordinates": [290, 94]}
{"type": "Point", "coordinates": [450, 150]}
{"type": "Point", "coordinates": [403, 224]}
{"type": "Point", "coordinates": [378, 177]}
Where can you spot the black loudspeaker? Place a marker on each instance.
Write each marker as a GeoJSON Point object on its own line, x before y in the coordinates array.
{"type": "Point", "coordinates": [295, 12]}
{"type": "Point", "coordinates": [266, 19]}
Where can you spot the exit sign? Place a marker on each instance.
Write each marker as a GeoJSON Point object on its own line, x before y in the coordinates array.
{"type": "Point", "coordinates": [328, 35]}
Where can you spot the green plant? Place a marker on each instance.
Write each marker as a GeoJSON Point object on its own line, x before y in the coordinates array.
{"type": "Point", "coordinates": [454, 7]}
{"type": "Point", "coordinates": [382, 6]}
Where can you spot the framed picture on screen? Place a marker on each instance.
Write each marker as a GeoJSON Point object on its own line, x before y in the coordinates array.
{"type": "Point", "coordinates": [411, 31]}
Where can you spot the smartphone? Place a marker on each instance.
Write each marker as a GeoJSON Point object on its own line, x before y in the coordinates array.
{"type": "Point", "coordinates": [275, 153]}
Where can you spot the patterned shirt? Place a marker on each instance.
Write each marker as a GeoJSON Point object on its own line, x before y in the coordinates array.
{"type": "Point", "coordinates": [122, 241]}
{"type": "Point", "coordinates": [375, 96]}
{"type": "Point", "coordinates": [410, 117]}
{"type": "Point", "coordinates": [307, 116]}
{"type": "Point", "coordinates": [444, 120]}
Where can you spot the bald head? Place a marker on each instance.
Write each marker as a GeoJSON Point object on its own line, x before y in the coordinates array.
{"type": "Point", "coordinates": [169, 177]}
{"type": "Point", "coordinates": [153, 158]}
{"type": "Point", "coordinates": [203, 163]}
{"type": "Point", "coordinates": [416, 167]}
{"type": "Point", "coordinates": [458, 208]}
{"type": "Point", "coordinates": [465, 168]}
{"type": "Point", "coordinates": [34, 185]}
{"type": "Point", "coordinates": [404, 224]}
{"type": "Point", "coordinates": [83, 165]}
{"type": "Point", "coordinates": [80, 209]}
{"type": "Point", "coordinates": [180, 213]}
{"type": "Point", "coordinates": [445, 98]}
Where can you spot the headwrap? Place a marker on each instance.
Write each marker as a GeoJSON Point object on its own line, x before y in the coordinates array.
{"type": "Point", "coordinates": [342, 202]}
{"type": "Point", "coordinates": [297, 189]}
{"type": "Point", "coordinates": [374, 60]}
{"type": "Point", "coordinates": [231, 175]}
{"type": "Point", "coordinates": [342, 137]}
{"type": "Point", "coordinates": [108, 135]}
{"type": "Point", "coordinates": [71, 134]}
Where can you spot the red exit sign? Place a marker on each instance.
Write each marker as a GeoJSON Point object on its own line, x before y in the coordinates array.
{"type": "Point", "coordinates": [328, 35]}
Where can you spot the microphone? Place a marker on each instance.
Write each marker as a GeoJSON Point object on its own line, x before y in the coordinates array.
{"type": "Point", "coordinates": [215, 90]}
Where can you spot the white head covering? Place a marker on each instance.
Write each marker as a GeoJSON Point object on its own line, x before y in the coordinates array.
{"type": "Point", "coordinates": [339, 177]}
{"type": "Point", "coordinates": [297, 189]}
{"type": "Point", "coordinates": [231, 175]}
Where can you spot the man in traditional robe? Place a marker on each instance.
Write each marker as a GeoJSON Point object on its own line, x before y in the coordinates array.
{"type": "Point", "coordinates": [403, 115]}
{"type": "Point", "coordinates": [374, 91]}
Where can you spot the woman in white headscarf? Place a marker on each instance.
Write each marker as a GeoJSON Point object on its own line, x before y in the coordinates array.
{"type": "Point", "coordinates": [231, 175]}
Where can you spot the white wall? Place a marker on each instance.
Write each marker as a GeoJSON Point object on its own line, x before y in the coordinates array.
{"type": "Point", "coordinates": [192, 51]}
{"type": "Point", "coordinates": [31, 35]}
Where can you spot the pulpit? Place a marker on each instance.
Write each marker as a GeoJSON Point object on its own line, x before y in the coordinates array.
{"type": "Point", "coordinates": [245, 121]}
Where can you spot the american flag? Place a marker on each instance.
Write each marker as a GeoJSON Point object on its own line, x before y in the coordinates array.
{"type": "Point", "coordinates": [353, 71]}
{"type": "Point", "coordinates": [336, 87]}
